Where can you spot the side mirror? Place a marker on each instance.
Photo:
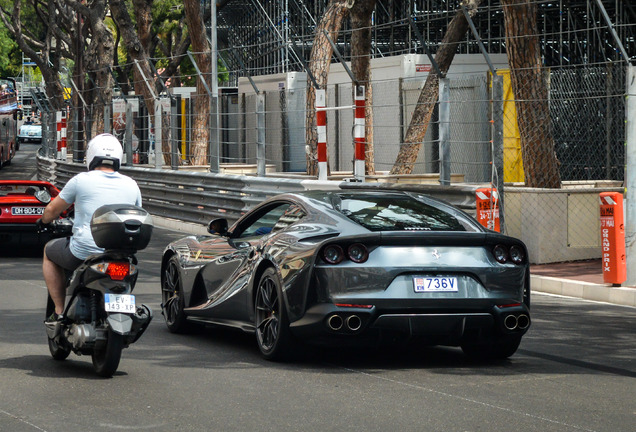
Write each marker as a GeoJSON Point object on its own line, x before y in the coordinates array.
{"type": "Point", "coordinates": [218, 226]}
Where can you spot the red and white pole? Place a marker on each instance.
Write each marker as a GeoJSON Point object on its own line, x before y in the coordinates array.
{"type": "Point", "coordinates": [321, 128]}
{"type": "Point", "coordinates": [58, 123]}
{"type": "Point", "coordinates": [63, 136]}
{"type": "Point", "coordinates": [358, 134]}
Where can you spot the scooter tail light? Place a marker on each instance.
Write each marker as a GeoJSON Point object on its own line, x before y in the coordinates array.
{"type": "Point", "coordinates": [115, 270]}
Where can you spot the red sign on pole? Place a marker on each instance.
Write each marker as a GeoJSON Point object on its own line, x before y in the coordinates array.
{"type": "Point", "coordinates": [613, 238]}
{"type": "Point", "coordinates": [488, 208]}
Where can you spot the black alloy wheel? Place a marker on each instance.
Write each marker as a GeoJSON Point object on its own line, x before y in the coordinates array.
{"type": "Point", "coordinates": [272, 326]}
{"type": "Point", "coordinates": [172, 301]}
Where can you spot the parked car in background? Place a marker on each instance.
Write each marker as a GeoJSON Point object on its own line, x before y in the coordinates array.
{"type": "Point", "coordinates": [334, 266]}
{"type": "Point", "coordinates": [30, 133]}
{"type": "Point", "coordinates": [21, 204]}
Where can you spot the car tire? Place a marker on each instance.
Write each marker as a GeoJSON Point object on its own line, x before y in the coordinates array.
{"type": "Point", "coordinates": [172, 300]}
{"type": "Point", "coordinates": [498, 349]}
{"type": "Point", "coordinates": [270, 317]}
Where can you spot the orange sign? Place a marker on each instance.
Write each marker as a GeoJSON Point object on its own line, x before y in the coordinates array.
{"type": "Point", "coordinates": [488, 208]}
{"type": "Point", "coordinates": [613, 238]}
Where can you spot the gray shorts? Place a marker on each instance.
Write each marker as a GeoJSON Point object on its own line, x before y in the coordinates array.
{"type": "Point", "coordinates": [58, 250]}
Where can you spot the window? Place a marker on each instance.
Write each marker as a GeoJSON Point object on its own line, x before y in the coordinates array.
{"type": "Point", "coordinates": [275, 218]}
{"type": "Point", "coordinates": [400, 213]}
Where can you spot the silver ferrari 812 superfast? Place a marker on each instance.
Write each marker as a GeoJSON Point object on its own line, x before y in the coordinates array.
{"type": "Point", "coordinates": [351, 266]}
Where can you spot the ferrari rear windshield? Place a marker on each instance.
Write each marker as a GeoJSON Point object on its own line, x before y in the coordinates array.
{"type": "Point", "coordinates": [400, 213]}
{"type": "Point", "coordinates": [19, 189]}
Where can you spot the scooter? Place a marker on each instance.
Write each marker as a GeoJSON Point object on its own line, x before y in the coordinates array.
{"type": "Point", "coordinates": [101, 316]}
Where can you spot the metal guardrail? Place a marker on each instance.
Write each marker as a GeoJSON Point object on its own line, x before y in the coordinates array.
{"type": "Point", "coordinates": [199, 197]}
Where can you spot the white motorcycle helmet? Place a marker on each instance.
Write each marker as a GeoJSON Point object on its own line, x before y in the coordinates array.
{"type": "Point", "coordinates": [105, 149]}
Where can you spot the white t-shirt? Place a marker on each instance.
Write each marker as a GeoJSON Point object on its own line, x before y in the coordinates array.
{"type": "Point", "coordinates": [89, 191]}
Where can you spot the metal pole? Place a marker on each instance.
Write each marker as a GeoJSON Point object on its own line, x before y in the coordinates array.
{"type": "Point", "coordinates": [340, 58]}
{"type": "Point", "coordinates": [321, 129]}
{"type": "Point", "coordinates": [261, 162]}
{"type": "Point", "coordinates": [438, 71]}
{"type": "Point", "coordinates": [80, 145]}
{"type": "Point", "coordinates": [630, 177]}
{"type": "Point", "coordinates": [444, 132]}
{"type": "Point", "coordinates": [498, 145]}
{"type": "Point", "coordinates": [158, 134]}
{"type": "Point", "coordinates": [128, 135]}
{"type": "Point", "coordinates": [359, 140]}
{"type": "Point", "coordinates": [174, 136]}
{"type": "Point", "coordinates": [107, 118]}
{"type": "Point", "coordinates": [214, 109]}
{"type": "Point", "coordinates": [471, 24]}
{"type": "Point", "coordinates": [611, 29]}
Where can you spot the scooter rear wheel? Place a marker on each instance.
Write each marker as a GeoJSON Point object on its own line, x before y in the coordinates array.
{"type": "Point", "coordinates": [58, 352]}
{"type": "Point", "coordinates": [106, 360]}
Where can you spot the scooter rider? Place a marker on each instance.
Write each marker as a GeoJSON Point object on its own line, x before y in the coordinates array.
{"type": "Point", "coordinates": [101, 185]}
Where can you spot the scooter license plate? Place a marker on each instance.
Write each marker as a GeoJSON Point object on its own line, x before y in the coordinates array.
{"type": "Point", "coordinates": [122, 303]}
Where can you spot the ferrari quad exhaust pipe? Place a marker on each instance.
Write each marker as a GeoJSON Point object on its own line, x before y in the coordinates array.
{"type": "Point", "coordinates": [354, 323]}
{"type": "Point", "coordinates": [335, 322]}
{"type": "Point", "coordinates": [351, 323]}
{"type": "Point", "coordinates": [523, 321]}
{"type": "Point", "coordinates": [514, 322]}
{"type": "Point", "coordinates": [510, 322]}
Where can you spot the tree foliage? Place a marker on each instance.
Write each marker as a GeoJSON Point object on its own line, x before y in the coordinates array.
{"type": "Point", "coordinates": [10, 55]}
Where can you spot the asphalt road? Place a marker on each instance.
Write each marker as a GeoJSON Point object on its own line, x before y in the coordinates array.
{"type": "Point", "coordinates": [574, 371]}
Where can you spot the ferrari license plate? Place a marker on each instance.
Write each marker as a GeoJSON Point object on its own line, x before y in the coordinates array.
{"type": "Point", "coordinates": [21, 211]}
{"type": "Point", "coordinates": [123, 303]}
{"type": "Point", "coordinates": [435, 284]}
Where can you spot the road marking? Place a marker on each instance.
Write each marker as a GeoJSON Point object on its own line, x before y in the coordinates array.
{"type": "Point", "coordinates": [22, 420]}
{"type": "Point", "coordinates": [416, 386]}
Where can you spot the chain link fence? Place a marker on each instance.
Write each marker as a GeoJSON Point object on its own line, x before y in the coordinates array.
{"type": "Point", "coordinates": [576, 133]}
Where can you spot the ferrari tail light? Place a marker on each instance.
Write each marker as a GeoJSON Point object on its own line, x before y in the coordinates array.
{"type": "Point", "coordinates": [517, 255]}
{"type": "Point", "coordinates": [514, 253]}
{"type": "Point", "coordinates": [358, 253]}
{"type": "Point", "coordinates": [501, 253]}
{"type": "Point", "coordinates": [333, 254]}
{"type": "Point", "coordinates": [115, 270]}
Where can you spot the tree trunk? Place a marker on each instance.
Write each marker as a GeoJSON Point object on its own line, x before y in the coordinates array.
{"type": "Point", "coordinates": [201, 112]}
{"type": "Point", "coordinates": [140, 56]}
{"type": "Point", "coordinates": [540, 164]}
{"type": "Point", "coordinates": [361, 14]}
{"type": "Point", "coordinates": [319, 63]}
{"type": "Point", "coordinates": [430, 92]}
{"type": "Point", "coordinates": [99, 56]}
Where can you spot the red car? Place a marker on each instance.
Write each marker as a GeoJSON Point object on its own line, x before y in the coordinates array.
{"type": "Point", "coordinates": [21, 204]}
